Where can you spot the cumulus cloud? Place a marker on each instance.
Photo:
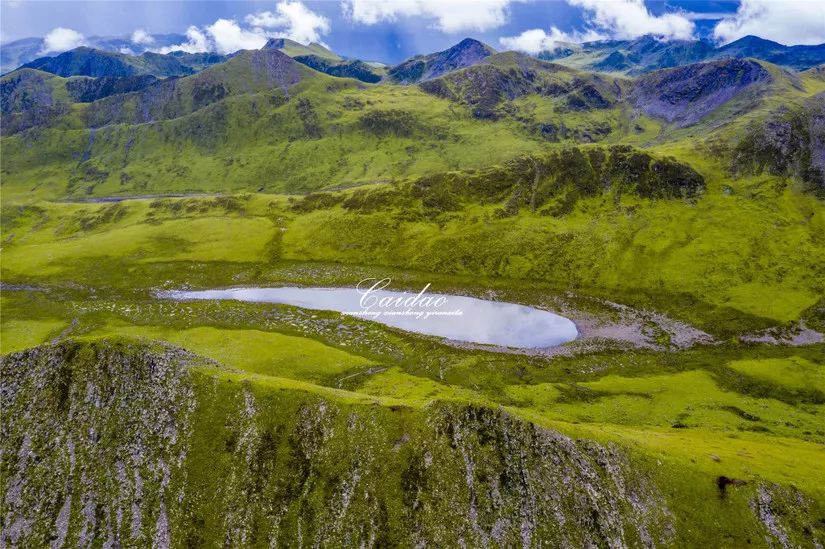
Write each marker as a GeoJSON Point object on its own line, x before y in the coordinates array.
{"type": "Point", "coordinates": [450, 15]}
{"type": "Point", "coordinates": [62, 39]}
{"type": "Point", "coordinates": [789, 22]}
{"type": "Point", "coordinates": [143, 38]}
{"type": "Point", "coordinates": [537, 40]}
{"type": "Point", "coordinates": [229, 37]}
{"type": "Point", "coordinates": [626, 19]}
{"type": "Point", "coordinates": [618, 19]}
{"type": "Point", "coordinates": [196, 41]}
{"type": "Point", "coordinates": [223, 36]}
{"type": "Point", "coordinates": [292, 20]}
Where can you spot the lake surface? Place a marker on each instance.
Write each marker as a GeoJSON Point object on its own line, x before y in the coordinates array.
{"type": "Point", "coordinates": [454, 317]}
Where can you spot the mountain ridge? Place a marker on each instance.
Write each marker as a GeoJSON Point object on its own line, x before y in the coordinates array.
{"type": "Point", "coordinates": [648, 53]}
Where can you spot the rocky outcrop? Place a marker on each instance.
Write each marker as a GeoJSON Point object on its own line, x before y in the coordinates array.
{"type": "Point", "coordinates": [87, 90]}
{"type": "Point", "coordinates": [24, 90]}
{"type": "Point", "coordinates": [118, 444]}
{"type": "Point", "coordinates": [551, 184]}
{"type": "Point", "coordinates": [790, 142]}
{"type": "Point", "coordinates": [684, 95]}
{"type": "Point", "coordinates": [93, 438]}
{"type": "Point", "coordinates": [507, 76]}
{"type": "Point", "coordinates": [466, 53]}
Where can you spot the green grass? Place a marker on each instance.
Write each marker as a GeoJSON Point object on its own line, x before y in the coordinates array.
{"type": "Point", "coordinates": [745, 255]}
{"type": "Point", "coordinates": [19, 334]}
{"type": "Point", "coordinates": [793, 372]}
{"type": "Point", "coordinates": [258, 352]}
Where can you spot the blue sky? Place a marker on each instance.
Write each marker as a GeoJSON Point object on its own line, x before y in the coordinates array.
{"type": "Point", "coordinates": [392, 30]}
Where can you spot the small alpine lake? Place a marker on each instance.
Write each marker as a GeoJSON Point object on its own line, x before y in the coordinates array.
{"type": "Point", "coordinates": [455, 317]}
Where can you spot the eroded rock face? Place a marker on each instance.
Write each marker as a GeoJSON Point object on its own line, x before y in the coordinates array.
{"type": "Point", "coordinates": [789, 142]}
{"type": "Point", "coordinates": [93, 436]}
{"type": "Point", "coordinates": [684, 95]}
{"type": "Point", "coordinates": [784, 511]}
{"type": "Point", "coordinates": [117, 444]}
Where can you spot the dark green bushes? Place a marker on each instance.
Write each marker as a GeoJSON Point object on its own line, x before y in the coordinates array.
{"type": "Point", "coordinates": [550, 184]}
{"type": "Point", "coordinates": [790, 143]}
{"type": "Point", "coordinates": [390, 122]}
{"type": "Point", "coordinates": [309, 118]}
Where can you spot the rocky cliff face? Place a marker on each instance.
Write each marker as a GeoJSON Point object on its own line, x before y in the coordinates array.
{"type": "Point", "coordinates": [118, 444]}
{"type": "Point", "coordinates": [112, 444]}
{"type": "Point", "coordinates": [684, 95]}
{"type": "Point", "coordinates": [789, 142]}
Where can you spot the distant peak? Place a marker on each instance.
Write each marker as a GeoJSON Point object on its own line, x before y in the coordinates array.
{"type": "Point", "coordinates": [471, 43]}
{"type": "Point", "coordinates": [751, 40]}
{"type": "Point", "coordinates": [274, 43]}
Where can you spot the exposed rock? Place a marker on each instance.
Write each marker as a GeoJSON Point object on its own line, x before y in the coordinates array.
{"type": "Point", "coordinates": [684, 95]}
{"type": "Point", "coordinates": [109, 430]}
{"type": "Point", "coordinates": [424, 67]}
{"type": "Point", "coordinates": [790, 142]}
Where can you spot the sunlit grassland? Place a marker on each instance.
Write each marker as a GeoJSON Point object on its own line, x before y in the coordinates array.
{"type": "Point", "coordinates": [760, 256]}
{"type": "Point", "coordinates": [793, 372]}
{"type": "Point", "coordinates": [17, 334]}
{"type": "Point", "coordinates": [756, 248]}
{"type": "Point", "coordinates": [254, 351]}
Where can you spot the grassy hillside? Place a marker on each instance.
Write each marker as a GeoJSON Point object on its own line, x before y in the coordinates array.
{"type": "Point", "coordinates": [213, 447]}
{"type": "Point", "coordinates": [688, 250]}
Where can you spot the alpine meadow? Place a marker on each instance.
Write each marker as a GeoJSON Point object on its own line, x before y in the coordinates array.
{"type": "Point", "coordinates": [182, 229]}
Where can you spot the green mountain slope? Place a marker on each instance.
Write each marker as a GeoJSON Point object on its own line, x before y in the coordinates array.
{"type": "Point", "coordinates": [296, 49]}
{"type": "Point", "coordinates": [186, 452]}
{"type": "Point", "coordinates": [676, 218]}
{"type": "Point", "coordinates": [424, 67]}
{"type": "Point", "coordinates": [86, 61]}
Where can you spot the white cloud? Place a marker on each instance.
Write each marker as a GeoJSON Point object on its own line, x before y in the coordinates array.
{"type": "Point", "coordinates": [196, 41]}
{"type": "Point", "coordinates": [143, 38]}
{"type": "Point", "coordinates": [450, 16]}
{"type": "Point", "coordinates": [293, 20]}
{"type": "Point", "coordinates": [626, 19]}
{"type": "Point", "coordinates": [788, 22]}
{"type": "Point", "coordinates": [127, 51]}
{"type": "Point", "coordinates": [62, 39]}
{"type": "Point", "coordinates": [228, 37]}
{"type": "Point", "coordinates": [618, 19]}
{"type": "Point", "coordinates": [223, 36]}
{"type": "Point", "coordinates": [536, 40]}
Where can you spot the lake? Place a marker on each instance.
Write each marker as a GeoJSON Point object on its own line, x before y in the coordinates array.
{"type": "Point", "coordinates": [454, 317]}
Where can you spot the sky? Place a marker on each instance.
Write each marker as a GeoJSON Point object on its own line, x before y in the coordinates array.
{"type": "Point", "coordinates": [392, 30]}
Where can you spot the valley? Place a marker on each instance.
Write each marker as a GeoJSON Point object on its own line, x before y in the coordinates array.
{"type": "Point", "coordinates": [675, 217]}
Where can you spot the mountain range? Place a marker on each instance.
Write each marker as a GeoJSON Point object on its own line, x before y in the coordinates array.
{"type": "Point", "coordinates": [648, 53]}
{"type": "Point", "coordinates": [675, 215]}
{"type": "Point", "coordinates": [630, 57]}
{"type": "Point", "coordinates": [99, 91]}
